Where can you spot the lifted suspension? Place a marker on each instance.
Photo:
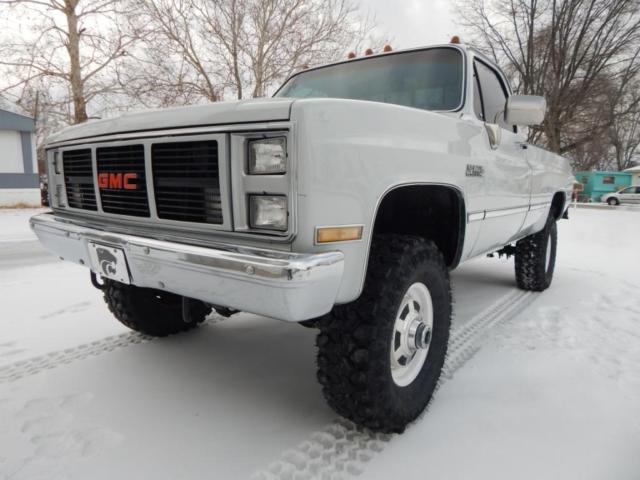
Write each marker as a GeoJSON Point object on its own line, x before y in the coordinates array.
{"type": "Point", "coordinates": [507, 250]}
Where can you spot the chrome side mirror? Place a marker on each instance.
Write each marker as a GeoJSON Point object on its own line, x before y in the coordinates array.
{"type": "Point", "coordinates": [525, 110]}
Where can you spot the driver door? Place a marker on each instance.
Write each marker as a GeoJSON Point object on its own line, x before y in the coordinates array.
{"type": "Point", "coordinates": [507, 181]}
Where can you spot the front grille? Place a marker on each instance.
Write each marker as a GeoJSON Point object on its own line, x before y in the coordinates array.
{"type": "Point", "coordinates": [78, 179]}
{"type": "Point", "coordinates": [186, 182]}
{"type": "Point", "coordinates": [122, 180]}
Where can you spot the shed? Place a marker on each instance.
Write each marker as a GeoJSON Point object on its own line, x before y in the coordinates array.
{"type": "Point", "coordinates": [635, 174]}
{"type": "Point", "coordinates": [597, 184]}
{"type": "Point", "coordinates": [19, 181]}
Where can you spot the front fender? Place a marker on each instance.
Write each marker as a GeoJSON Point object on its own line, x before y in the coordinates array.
{"type": "Point", "coordinates": [351, 153]}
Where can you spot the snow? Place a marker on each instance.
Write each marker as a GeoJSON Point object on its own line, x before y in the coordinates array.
{"type": "Point", "coordinates": [535, 385]}
{"type": "Point", "coordinates": [14, 224]}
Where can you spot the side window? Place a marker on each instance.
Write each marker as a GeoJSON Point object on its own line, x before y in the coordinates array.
{"type": "Point", "coordinates": [477, 96]}
{"type": "Point", "coordinates": [494, 95]}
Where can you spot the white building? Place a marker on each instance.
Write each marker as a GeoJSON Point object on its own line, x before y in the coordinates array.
{"type": "Point", "coordinates": [19, 181]}
{"type": "Point", "coordinates": [635, 175]}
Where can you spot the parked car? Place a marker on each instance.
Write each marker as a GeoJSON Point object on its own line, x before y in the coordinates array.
{"type": "Point", "coordinates": [629, 195]}
{"type": "Point", "coordinates": [343, 203]}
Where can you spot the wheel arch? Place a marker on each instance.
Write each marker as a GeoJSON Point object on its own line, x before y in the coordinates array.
{"type": "Point", "coordinates": [557, 205]}
{"type": "Point", "coordinates": [426, 210]}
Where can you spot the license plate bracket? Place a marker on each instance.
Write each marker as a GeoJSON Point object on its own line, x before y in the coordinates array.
{"type": "Point", "coordinates": [109, 262]}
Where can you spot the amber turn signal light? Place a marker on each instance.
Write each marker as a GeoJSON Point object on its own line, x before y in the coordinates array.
{"type": "Point", "coordinates": [338, 234]}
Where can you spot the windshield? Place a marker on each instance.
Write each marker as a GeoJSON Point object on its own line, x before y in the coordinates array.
{"type": "Point", "coordinates": [427, 79]}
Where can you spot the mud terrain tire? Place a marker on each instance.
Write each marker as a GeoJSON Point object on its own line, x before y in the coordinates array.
{"type": "Point", "coordinates": [355, 344]}
{"type": "Point", "coordinates": [535, 258]}
{"type": "Point", "coordinates": [149, 311]}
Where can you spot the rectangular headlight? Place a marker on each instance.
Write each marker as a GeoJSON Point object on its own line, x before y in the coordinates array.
{"type": "Point", "coordinates": [268, 211]}
{"type": "Point", "coordinates": [268, 156]}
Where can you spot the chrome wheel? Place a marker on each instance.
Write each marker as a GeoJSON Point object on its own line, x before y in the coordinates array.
{"type": "Point", "coordinates": [411, 335]}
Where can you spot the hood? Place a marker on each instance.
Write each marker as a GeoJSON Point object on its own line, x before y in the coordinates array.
{"type": "Point", "coordinates": [220, 113]}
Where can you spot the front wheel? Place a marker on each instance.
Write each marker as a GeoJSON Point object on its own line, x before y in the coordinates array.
{"type": "Point", "coordinates": [613, 202]}
{"type": "Point", "coordinates": [380, 357]}
{"type": "Point", "coordinates": [535, 258]}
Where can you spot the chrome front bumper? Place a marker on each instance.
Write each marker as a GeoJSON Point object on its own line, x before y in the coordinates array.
{"type": "Point", "coordinates": [283, 285]}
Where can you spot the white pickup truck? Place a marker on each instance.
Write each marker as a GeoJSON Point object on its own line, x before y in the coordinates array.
{"type": "Point", "coordinates": [341, 203]}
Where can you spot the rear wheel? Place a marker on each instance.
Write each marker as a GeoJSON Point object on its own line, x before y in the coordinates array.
{"type": "Point", "coordinates": [535, 258]}
{"type": "Point", "coordinates": [152, 312]}
{"type": "Point", "coordinates": [380, 357]}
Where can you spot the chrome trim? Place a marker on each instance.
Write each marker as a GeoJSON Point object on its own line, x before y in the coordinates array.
{"type": "Point", "coordinates": [283, 285]}
{"type": "Point", "coordinates": [475, 216]}
{"type": "Point", "coordinates": [503, 212]}
{"type": "Point", "coordinates": [538, 206]}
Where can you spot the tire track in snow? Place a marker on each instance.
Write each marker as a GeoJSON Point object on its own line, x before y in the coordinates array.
{"type": "Point", "coordinates": [25, 368]}
{"type": "Point", "coordinates": [341, 449]}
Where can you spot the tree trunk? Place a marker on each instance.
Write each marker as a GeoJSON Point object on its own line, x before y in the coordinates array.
{"type": "Point", "coordinates": [73, 48]}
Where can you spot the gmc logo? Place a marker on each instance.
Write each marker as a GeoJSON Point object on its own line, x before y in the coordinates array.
{"type": "Point", "coordinates": [118, 181]}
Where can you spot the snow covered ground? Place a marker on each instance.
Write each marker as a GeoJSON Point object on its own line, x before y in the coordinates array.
{"type": "Point", "coordinates": [535, 386]}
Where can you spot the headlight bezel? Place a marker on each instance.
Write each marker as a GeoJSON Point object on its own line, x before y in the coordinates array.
{"type": "Point", "coordinates": [252, 156]}
{"type": "Point", "coordinates": [253, 212]}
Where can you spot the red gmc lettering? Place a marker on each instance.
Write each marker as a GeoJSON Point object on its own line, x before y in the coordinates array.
{"type": "Point", "coordinates": [128, 181]}
{"type": "Point", "coordinates": [115, 181]}
{"type": "Point", "coordinates": [118, 181]}
{"type": "Point", "coordinates": [103, 180]}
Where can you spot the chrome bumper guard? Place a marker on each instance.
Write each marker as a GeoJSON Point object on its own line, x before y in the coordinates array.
{"type": "Point", "coordinates": [283, 285]}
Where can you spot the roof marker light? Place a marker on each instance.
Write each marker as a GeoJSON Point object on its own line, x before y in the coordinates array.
{"type": "Point", "coordinates": [456, 40]}
{"type": "Point", "coordinates": [368, 52]}
{"type": "Point", "coordinates": [387, 48]}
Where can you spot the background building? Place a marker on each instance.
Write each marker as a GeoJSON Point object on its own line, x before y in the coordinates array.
{"type": "Point", "coordinates": [635, 175]}
{"type": "Point", "coordinates": [19, 181]}
{"type": "Point", "coordinates": [596, 184]}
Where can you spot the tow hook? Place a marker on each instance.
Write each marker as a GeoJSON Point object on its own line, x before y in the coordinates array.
{"type": "Point", "coordinates": [96, 281]}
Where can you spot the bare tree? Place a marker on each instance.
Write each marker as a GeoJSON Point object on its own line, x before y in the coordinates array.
{"type": "Point", "coordinates": [203, 50]}
{"type": "Point", "coordinates": [69, 49]}
{"type": "Point", "coordinates": [624, 136]}
{"type": "Point", "coordinates": [579, 54]}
